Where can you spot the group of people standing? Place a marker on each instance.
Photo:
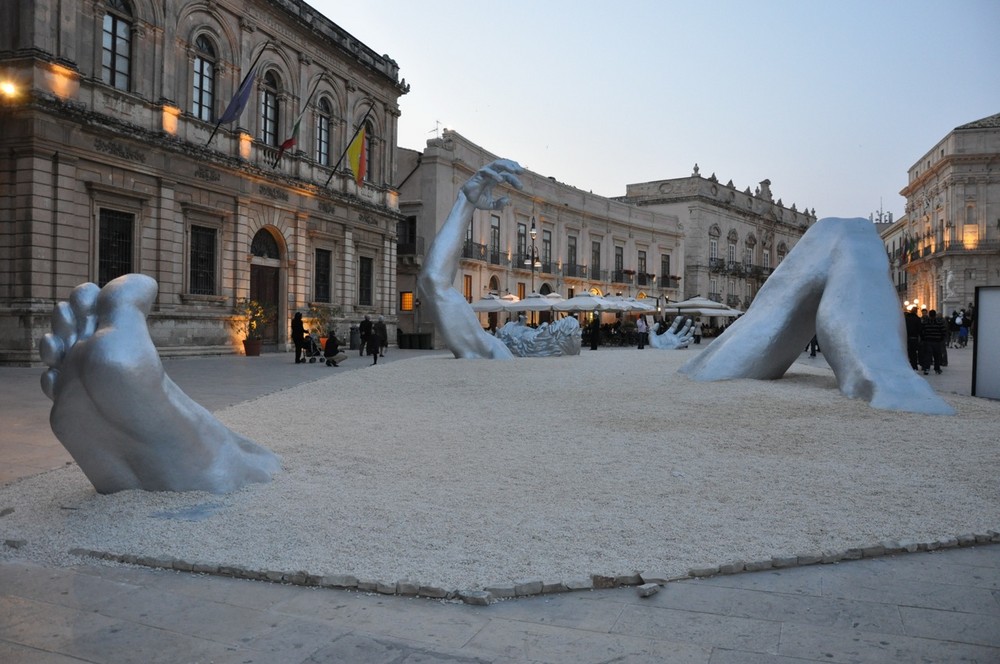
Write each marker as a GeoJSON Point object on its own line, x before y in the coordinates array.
{"type": "Point", "coordinates": [374, 339]}
{"type": "Point", "coordinates": [928, 337]}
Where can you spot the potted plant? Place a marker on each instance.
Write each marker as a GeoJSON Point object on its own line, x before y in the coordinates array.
{"type": "Point", "coordinates": [251, 317]}
{"type": "Point", "coordinates": [321, 319]}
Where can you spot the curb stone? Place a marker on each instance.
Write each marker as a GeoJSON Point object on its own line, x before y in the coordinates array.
{"type": "Point", "coordinates": [529, 588]}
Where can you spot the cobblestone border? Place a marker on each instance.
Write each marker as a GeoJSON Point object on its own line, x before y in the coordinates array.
{"type": "Point", "coordinates": [530, 588]}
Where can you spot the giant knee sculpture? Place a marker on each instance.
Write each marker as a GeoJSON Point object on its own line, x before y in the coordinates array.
{"type": "Point", "coordinates": [453, 318]}
{"type": "Point", "coordinates": [119, 415]}
{"type": "Point", "coordinates": [833, 284]}
{"type": "Point", "coordinates": [563, 337]}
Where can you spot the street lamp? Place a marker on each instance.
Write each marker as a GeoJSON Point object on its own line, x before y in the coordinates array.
{"type": "Point", "coordinates": [533, 261]}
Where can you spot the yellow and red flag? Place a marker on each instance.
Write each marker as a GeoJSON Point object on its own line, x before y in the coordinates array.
{"type": "Point", "coordinates": [358, 157]}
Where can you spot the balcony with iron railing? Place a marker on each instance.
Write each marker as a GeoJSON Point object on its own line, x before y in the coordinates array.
{"type": "Point", "coordinates": [715, 297]}
{"type": "Point", "coordinates": [575, 271]}
{"type": "Point", "coordinates": [497, 257]}
{"type": "Point", "coordinates": [733, 301]}
{"type": "Point", "coordinates": [595, 274]}
{"type": "Point", "coordinates": [626, 277]}
{"type": "Point", "coordinates": [474, 251]}
{"type": "Point", "coordinates": [413, 247]}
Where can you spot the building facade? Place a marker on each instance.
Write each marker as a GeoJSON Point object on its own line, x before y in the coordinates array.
{"type": "Point", "coordinates": [733, 240]}
{"type": "Point", "coordinates": [951, 229]}
{"type": "Point", "coordinates": [116, 156]}
{"type": "Point", "coordinates": [581, 242]}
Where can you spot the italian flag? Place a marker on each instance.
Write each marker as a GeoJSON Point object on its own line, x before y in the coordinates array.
{"type": "Point", "coordinates": [291, 140]}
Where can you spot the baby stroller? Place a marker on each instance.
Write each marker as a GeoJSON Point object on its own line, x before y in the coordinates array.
{"type": "Point", "coordinates": [313, 351]}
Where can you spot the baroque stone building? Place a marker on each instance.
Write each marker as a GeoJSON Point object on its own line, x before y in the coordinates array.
{"type": "Point", "coordinates": [581, 242]}
{"type": "Point", "coordinates": [733, 240]}
{"type": "Point", "coordinates": [950, 234]}
{"type": "Point", "coordinates": [113, 160]}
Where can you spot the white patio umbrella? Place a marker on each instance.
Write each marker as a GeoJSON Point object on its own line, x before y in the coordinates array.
{"type": "Point", "coordinates": [531, 302]}
{"type": "Point", "coordinates": [702, 306]}
{"type": "Point", "coordinates": [584, 302]}
{"type": "Point", "coordinates": [489, 303]}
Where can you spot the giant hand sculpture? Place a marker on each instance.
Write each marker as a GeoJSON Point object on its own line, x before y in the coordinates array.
{"type": "Point", "coordinates": [447, 308]}
{"type": "Point", "coordinates": [562, 337]}
{"type": "Point", "coordinates": [834, 284]}
{"type": "Point", "coordinates": [123, 420]}
{"type": "Point", "coordinates": [677, 336]}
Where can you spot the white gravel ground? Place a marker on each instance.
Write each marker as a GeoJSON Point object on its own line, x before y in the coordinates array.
{"type": "Point", "coordinates": [467, 474]}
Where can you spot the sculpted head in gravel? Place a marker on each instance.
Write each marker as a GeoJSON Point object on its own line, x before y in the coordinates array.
{"type": "Point", "coordinates": [119, 415]}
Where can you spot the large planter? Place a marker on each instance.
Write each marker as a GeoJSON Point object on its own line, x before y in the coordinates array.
{"type": "Point", "coordinates": [252, 347]}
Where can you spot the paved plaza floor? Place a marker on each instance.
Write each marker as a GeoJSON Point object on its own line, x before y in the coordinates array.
{"type": "Point", "coordinates": [939, 606]}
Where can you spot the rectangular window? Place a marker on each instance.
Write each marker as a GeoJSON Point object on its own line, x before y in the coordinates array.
{"type": "Point", "coordinates": [641, 263]}
{"type": "Point", "coordinates": [767, 259]}
{"type": "Point", "coordinates": [406, 301]}
{"type": "Point", "coordinates": [713, 285]}
{"type": "Point", "coordinates": [202, 261]}
{"type": "Point", "coordinates": [732, 253]}
{"type": "Point", "coordinates": [467, 287]}
{"type": "Point", "coordinates": [713, 249]}
{"type": "Point", "coordinates": [116, 51]}
{"type": "Point", "coordinates": [664, 269]}
{"type": "Point", "coordinates": [114, 251]}
{"type": "Point", "coordinates": [203, 97]}
{"type": "Point", "coordinates": [366, 281]}
{"type": "Point", "coordinates": [522, 244]}
{"type": "Point", "coordinates": [747, 257]}
{"type": "Point", "coordinates": [495, 240]}
{"type": "Point", "coordinates": [619, 258]}
{"type": "Point", "coordinates": [571, 251]}
{"type": "Point", "coordinates": [323, 140]}
{"type": "Point", "coordinates": [595, 260]}
{"type": "Point", "coordinates": [546, 250]}
{"type": "Point", "coordinates": [323, 288]}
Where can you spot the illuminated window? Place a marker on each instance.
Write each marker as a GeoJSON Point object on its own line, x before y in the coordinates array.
{"type": "Point", "coordinates": [467, 287]}
{"type": "Point", "coordinates": [406, 301]}
{"type": "Point", "coordinates": [520, 290]}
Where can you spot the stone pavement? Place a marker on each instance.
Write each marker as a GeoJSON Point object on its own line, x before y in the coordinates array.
{"type": "Point", "coordinates": [939, 606]}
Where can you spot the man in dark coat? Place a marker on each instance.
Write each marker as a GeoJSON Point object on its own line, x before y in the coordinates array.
{"type": "Point", "coordinates": [298, 337]}
{"type": "Point", "coordinates": [365, 329]}
{"type": "Point", "coordinates": [913, 338]}
{"type": "Point", "coordinates": [934, 332]}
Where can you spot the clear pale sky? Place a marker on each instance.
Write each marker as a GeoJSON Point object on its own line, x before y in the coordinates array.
{"type": "Point", "coordinates": [833, 101]}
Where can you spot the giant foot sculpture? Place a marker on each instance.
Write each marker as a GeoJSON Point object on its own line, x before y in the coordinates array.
{"type": "Point", "coordinates": [448, 309]}
{"type": "Point", "coordinates": [834, 284]}
{"type": "Point", "coordinates": [676, 336]}
{"type": "Point", "coordinates": [119, 415]}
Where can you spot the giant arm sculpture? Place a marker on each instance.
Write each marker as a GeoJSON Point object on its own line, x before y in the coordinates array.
{"type": "Point", "coordinates": [119, 415]}
{"type": "Point", "coordinates": [453, 317]}
{"type": "Point", "coordinates": [675, 337]}
{"type": "Point", "coordinates": [834, 284]}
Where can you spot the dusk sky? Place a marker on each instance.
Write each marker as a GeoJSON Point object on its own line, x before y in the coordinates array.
{"type": "Point", "coordinates": [832, 101]}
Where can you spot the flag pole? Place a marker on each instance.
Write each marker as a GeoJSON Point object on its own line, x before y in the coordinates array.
{"type": "Point", "coordinates": [245, 76]}
{"type": "Point", "coordinates": [353, 136]}
{"type": "Point", "coordinates": [298, 118]}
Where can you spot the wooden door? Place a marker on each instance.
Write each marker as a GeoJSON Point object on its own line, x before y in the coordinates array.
{"type": "Point", "coordinates": [264, 284]}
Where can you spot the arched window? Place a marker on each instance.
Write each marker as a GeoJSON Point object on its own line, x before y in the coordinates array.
{"type": "Point", "coordinates": [264, 245]}
{"type": "Point", "coordinates": [203, 86]}
{"type": "Point", "coordinates": [269, 109]}
{"type": "Point", "coordinates": [323, 118]}
{"type": "Point", "coordinates": [116, 53]}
